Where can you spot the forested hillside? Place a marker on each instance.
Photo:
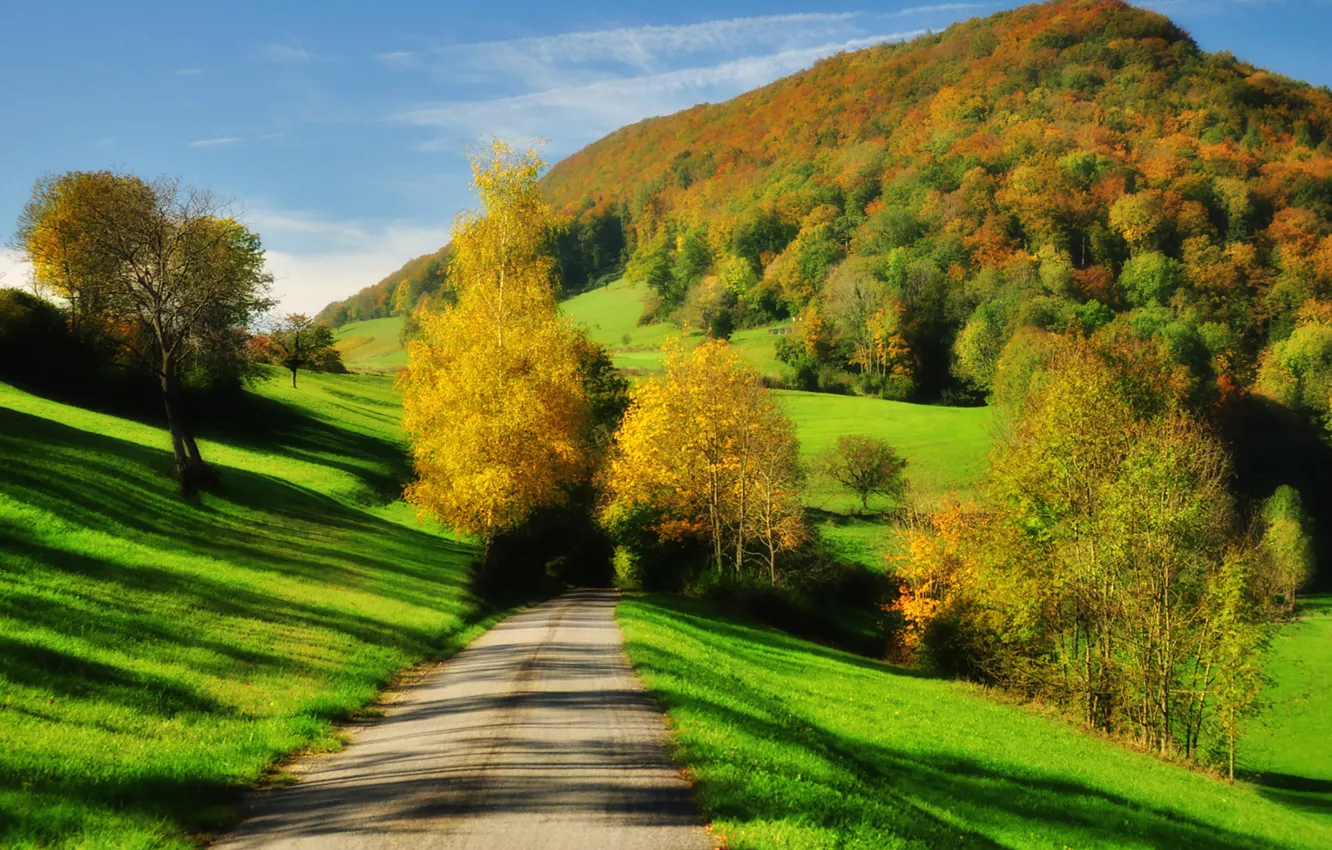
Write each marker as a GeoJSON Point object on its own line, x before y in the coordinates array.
{"type": "Point", "coordinates": [1066, 164]}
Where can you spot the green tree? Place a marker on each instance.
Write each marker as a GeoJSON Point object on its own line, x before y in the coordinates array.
{"type": "Point", "coordinates": [867, 466]}
{"type": "Point", "coordinates": [298, 342]}
{"type": "Point", "coordinates": [1149, 277]}
{"type": "Point", "coordinates": [177, 279]}
{"type": "Point", "coordinates": [978, 347]}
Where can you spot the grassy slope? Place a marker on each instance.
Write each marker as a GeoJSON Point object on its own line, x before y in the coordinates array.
{"type": "Point", "coordinates": [1287, 750]}
{"type": "Point", "coordinates": [611, 314]}
{"type": "Point", "coordinates": [156, 657]}
{"type": "Point", "coordinates": [945, 448]}
{"type": "Point", "coordinates": [797, 746]}
{"type": "Point", "coordinates": [372, 344]}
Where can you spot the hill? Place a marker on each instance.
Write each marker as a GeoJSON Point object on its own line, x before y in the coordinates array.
{"type": "Point", "coordinates": [157, 657]}
{"type": "Point", "coordinates": [1073, 163]}
{"type": "Point", "coordinates": [793, 745]}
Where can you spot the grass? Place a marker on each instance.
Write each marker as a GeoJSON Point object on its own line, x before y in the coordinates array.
{"type": "Point", "coordinates": [792, 745]}
{"type": "Point", "coordinates": [157, 657]}
{"type": "Point", "coordinates": [372, 344]}
{"type": "Point", "coordinates": [1286, 752]}
{"type": "Point", "coordinates": [610, 314]}
{"type": "Point", "coordinates": [945, 448]}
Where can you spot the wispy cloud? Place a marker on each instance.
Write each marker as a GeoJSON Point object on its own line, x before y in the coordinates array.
{"type": "Point", "coordinates": [598, 107]}
{"type": "Point", "coordinates": [317, 259]}
{"type": "Point", "coordinates": [218, 142]}
{"type": "Point", "coordinates": [646, 48]}
{"type": "Point", "coordinates": [290, 52]}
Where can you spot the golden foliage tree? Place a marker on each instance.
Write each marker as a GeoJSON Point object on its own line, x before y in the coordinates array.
{"type": "Point", "coordinates": [493, 394]}
{"type": "Point", "coordinates": [1107, 568]}
{"type": "Point", "coordinates": [704, 445]}
{"type": "Point", "coordinates": [156, 267]}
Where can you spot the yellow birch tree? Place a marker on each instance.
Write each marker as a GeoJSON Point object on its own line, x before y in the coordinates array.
{"type": "Point", "coordinates": [493, 393]}
{"type": "Point", "coordinates": [704, 445]}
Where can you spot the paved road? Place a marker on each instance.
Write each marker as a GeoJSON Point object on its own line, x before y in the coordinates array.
{"type": "Point", "coordinates": [538, 735]}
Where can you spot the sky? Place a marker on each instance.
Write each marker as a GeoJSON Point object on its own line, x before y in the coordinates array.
{"type": "Point", "coordinates": [338, 130]}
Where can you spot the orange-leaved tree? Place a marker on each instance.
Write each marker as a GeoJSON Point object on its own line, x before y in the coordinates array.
{"type": "Point", "coordinates": [493, 393]}
{"type": "Point", "coordinates": [704, 445]}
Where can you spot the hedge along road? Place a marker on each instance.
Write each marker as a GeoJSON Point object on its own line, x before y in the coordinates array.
{"type": "Point", "coordinates": [536, 735]}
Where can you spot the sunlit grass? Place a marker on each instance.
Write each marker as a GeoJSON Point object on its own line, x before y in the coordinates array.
{"type": "Point", "coordinates": [372, 343]}
{"type": "Point", "coordinates": [792, 745]}
{"type": "Point", "coordinates": [156, 656]}
{"type": "Point", "coordinates": [1286, 751]}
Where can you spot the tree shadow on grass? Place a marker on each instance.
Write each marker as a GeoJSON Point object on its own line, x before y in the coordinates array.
{"type": "Point", "coordinates": [869, 793]}
{"type": "Point", "coordinates": [101, 561]}
{"type": "Point", "coordinates": [259, 423]}
{"type": "Point", "coordinates": [120, 488]}
{"type": "Point", "coordinates": [1302, 793]}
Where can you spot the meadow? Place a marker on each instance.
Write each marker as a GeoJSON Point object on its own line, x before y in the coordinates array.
{"type": "Point", "coordinates": [372, 344]}
{"type": "Point", "coordinates": [610, 313]}
{"type": "Point", "coordinates": [1285, 752]}
{"type": "Point", "coordinates": [793, 745]}
{"type": "Point", "coordinates": [158, 657]}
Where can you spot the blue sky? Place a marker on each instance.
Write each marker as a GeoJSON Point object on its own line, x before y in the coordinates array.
{"type": "Point", "coordinates": [337, 129]}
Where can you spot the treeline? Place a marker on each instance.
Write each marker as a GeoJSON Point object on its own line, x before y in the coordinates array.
{"type": "Point", "coordinates": [1063, 166]}
{"type": "Point", "coordinates": [1107, 567]}
{"type": "Point", "coordinates": [157, 296]}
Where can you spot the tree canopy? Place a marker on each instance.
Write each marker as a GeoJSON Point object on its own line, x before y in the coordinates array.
{"type": "Point", "coordinates": [494, 395]}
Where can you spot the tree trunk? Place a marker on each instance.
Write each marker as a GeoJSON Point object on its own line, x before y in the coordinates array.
{"type": "Point", "coordinates": [176, 428]}
{"type": "Point", "coordinates": [293, 379]}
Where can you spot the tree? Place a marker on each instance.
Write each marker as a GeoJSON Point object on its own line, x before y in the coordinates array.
{"type": "Point", "coordinates": [1106, 568]}
{"type": "Point", "coordinates": [865, 465]}
{"type": "Point", "coordinates": [1297, 371]}
{"type": "Point", "coordinates": [704, 449]}
{"type": "Point", "coordinates": [160, 267]}
{"type": "Point", "coordinates": [494, 396]}
{"type": "Point", "coordinates": [978, 346]}
{"type": "Point", "coordinates": [1288, 552]}
{"type": "Point", "coordinates": [298, 342]}
{"type": "Point", "coordinates": [1149, 277]}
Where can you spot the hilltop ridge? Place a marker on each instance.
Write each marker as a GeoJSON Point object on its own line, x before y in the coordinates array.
{"type": "Point", "coordinates": [1005, 172]}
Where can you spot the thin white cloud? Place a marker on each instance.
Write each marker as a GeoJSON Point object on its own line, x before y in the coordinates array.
{"type": "Point", "coordinates": [598, 107]}
{"type": "Point", "coordinates": [291, 52]}
{"type": "Point", "coordinates": [268, 221]}
{"type": "Point", "coordinates": [212, 143]}
{"type": "Point", "coordinates": [644, 47]}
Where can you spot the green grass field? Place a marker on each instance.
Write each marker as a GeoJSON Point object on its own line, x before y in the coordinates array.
{"type": "Point", "coordinates": [792, 745]}
{"type": "Point", "coordinates": [945, 448]}
{"type": "Point", "coordinates": [1286, 752]}
{"type": "Point", "coordinates": [157, 657]}
{"type": "Point", "coordinates": [610, 314]}
{"type": "Point", "coordinates": [372, 344]}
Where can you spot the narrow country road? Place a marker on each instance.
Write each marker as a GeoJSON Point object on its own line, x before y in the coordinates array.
{"type": "Point", "coordinates": [537, 735]}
